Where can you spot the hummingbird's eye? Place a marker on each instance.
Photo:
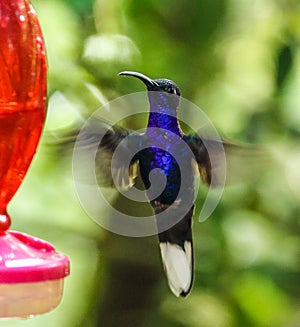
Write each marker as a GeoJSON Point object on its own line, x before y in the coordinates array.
{"type": "Point", "coordinates": [169, 89]}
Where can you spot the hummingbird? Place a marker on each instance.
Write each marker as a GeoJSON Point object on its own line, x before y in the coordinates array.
{"type": "Point", "coordinates": [176, 242]}
{"type": "Point", "coordinates": [176, 245]}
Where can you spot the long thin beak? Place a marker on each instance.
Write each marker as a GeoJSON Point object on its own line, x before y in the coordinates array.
{"type": "Point", "coordinates": [150, 83]}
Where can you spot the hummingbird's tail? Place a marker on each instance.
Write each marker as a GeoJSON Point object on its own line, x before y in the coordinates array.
{"type": "Point", "coordinates": [176, 248]}
{"type": "Point", "coordinates": [178, 265]}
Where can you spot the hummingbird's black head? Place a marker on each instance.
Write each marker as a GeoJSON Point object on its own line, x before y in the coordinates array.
{"type": "Point", "coordinates": [169, 92]}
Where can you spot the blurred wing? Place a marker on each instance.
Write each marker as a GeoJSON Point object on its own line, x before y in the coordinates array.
{"type": "Point", "coordinates": [240, 163]}
{"type": "Point", "coordinates": [100, 136]}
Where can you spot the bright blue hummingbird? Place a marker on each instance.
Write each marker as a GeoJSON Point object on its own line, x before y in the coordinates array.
{"type": "Point", "coordinates": [157, 144]}
{"type": "Point", "coordinates": [176, 244]}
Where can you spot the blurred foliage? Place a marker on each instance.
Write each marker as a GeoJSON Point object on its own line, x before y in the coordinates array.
{"type": "Point", "coordinates": [240, 62]}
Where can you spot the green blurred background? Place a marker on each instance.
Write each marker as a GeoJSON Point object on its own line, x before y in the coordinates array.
{"type": "Point", "coordinates": [239, 60]}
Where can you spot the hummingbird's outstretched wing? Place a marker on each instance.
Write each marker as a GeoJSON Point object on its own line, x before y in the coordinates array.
{"type": "Point", "coordinates": [105, 139]}
{"type": "Point", "coordinates": [214, 158]}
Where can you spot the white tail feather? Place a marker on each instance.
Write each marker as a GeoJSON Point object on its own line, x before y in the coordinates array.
{"type": "Point", "coordinates": [178, 264]}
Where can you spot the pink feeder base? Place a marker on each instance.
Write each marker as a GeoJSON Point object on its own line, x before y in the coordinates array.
{"type": "Point", "coordinates": [31, 275]}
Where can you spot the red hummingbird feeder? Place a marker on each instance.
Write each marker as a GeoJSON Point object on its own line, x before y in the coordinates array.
{"type": "Point", "coordinates": [31, 272]}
